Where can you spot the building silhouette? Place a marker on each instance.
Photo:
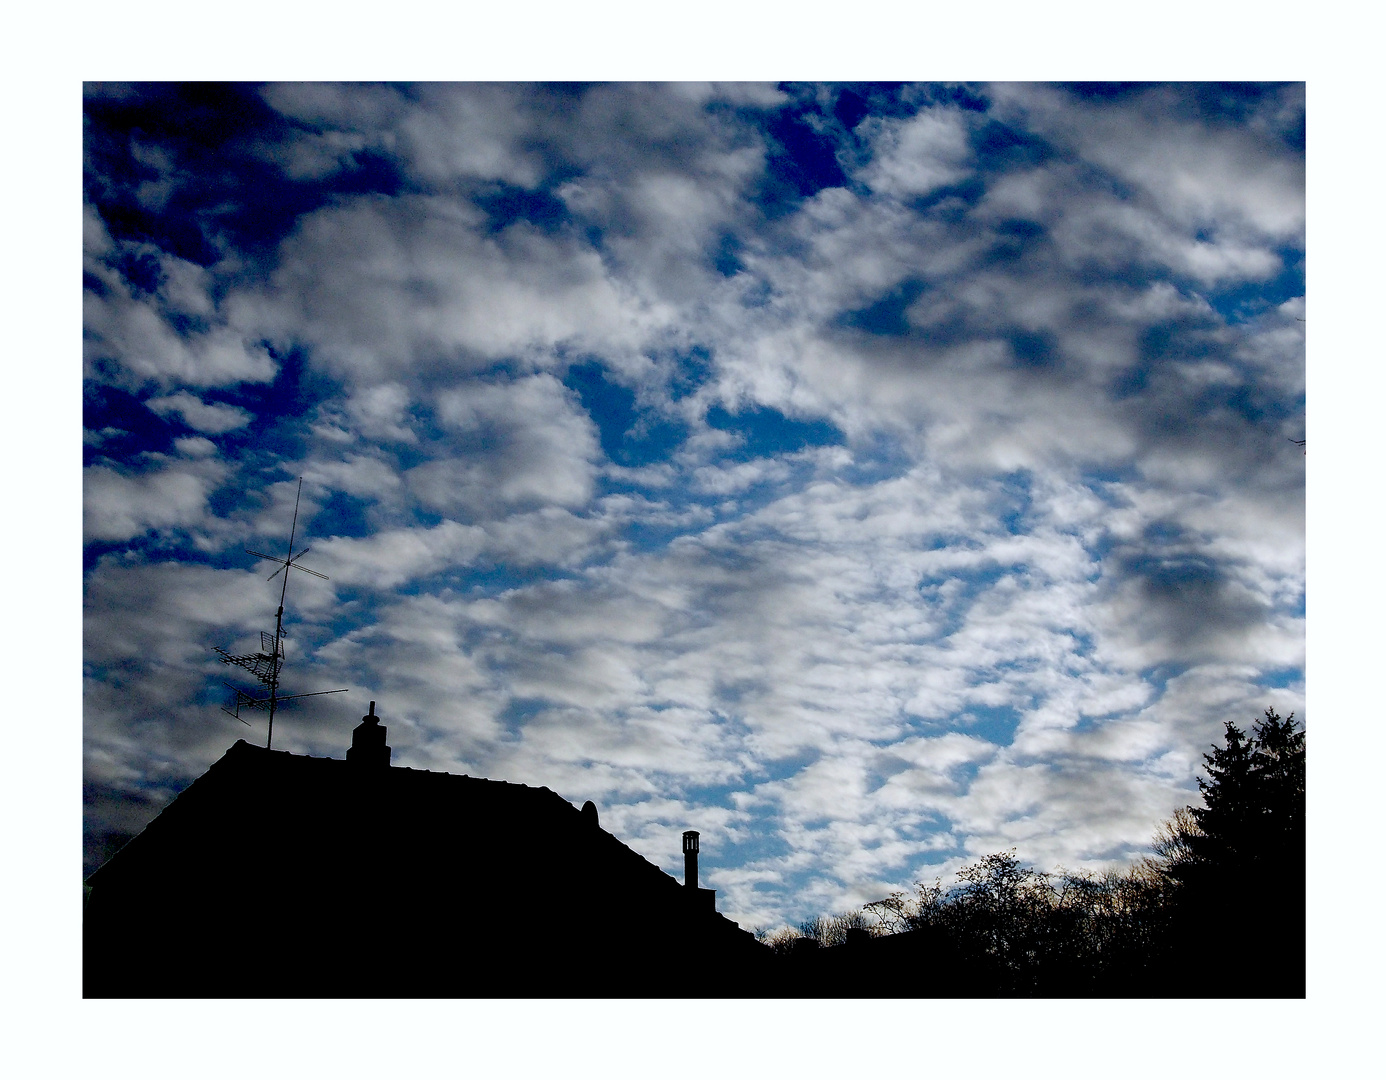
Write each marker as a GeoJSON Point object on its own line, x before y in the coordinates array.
{"type": "Point", "coordinates": [280, 875]}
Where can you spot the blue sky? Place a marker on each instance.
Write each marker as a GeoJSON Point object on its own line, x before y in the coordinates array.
{"type": "Point", "coordinates": [869, 476]}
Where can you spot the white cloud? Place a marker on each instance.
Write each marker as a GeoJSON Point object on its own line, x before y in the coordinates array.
{"type": "Point", "coordinates": [1119, 234]}
{"type": "Point", "coordinates": [213, 418]}
{"type": "Point", "coordinates": [195, 446]}
{"type": "Point", "coordinates": [530, 445]}
{"type": "Point", "coordinates": [370, 476]}
{"type": "Point", "coordinates": [917, 155]}
{"type": "Point", "coordinates": [416, 282]}
{"type": "Point", "coordinates": [395, 556]}
{"type": "Point", "coordinates": [477, 132]}
{"type": "Point", "coordinates": [128, 338]}
{"type": "Point", "coordinates": [131, 334]}
{"type": "Point", "coordinates": [551, 536]}
{"type": "Point", "coordinates": [120, 507]}
{"type": "Point", "coordinates": [1194, 173]}
{"type": "Point", "coordinates": [729, 479]}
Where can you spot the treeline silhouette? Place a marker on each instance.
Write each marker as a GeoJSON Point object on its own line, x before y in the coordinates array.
{"type": "Point", "coordinates": [1217, 911]}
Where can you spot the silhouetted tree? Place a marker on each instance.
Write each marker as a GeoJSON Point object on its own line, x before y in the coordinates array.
{"type": "Point", "coordinates": [1252, 815]}
{"type": "Point", "coordinates": [1173, 842]}
{"type": "Point", "coordinates": [1002, 907]}
{"type": "Point", "coordinates": [817, 929]}
{"type": "Point", "coordinates": [1278, 764]}
{"type": "Point", "coordinates": [1237, 866]}
{"type": "Point", "coordinates": [781, 941]}
{"type": "Point", "coordinates": [892, 914]}
{"type": "Point", "coordinates": [823, 932]}
{"type": "Point", "coordinates": [1231, 807]}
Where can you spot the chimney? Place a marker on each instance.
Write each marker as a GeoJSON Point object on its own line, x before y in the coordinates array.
{"type": "Point", "coordinates": [690, 859]}
{"type": "Point", "coordinates": [368, 742]}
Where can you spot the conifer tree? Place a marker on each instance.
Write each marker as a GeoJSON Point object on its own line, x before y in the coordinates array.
{"type": "Point", "coordinates": [1238, 864]}
{"type": "Point", "coordinates": [1252, 817]}
{"type": "Point", "coordinates": [1278, 765]}
{"type": "Point", "coordinates": [1231, 804]}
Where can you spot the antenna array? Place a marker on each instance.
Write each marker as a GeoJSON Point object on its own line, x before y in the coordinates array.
{"type": "Point", "coordinates": [266, 664]}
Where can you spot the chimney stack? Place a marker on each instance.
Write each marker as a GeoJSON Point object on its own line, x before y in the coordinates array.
{"type": "Point", "coordinates": [690, 859]}
{"type": "Point", "coordinates": [368, 742]}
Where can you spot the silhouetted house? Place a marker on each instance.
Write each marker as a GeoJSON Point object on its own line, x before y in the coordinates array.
{"type": "Point", "coordinates": [279, 875]}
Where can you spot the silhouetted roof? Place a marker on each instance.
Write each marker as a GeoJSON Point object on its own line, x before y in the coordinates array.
{"type": "Point", "coordinates": [426, 875]}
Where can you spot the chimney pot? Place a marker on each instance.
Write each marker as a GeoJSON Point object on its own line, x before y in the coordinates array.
{"type": "Point", "coordinates": [690, 859]}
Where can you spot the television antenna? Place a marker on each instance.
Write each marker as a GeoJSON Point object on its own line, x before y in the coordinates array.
{"type": "Point", "coordinates": [266, 664]}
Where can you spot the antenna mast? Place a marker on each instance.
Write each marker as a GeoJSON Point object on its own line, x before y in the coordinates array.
{"type": "Point", "coordinates": [265, 665]}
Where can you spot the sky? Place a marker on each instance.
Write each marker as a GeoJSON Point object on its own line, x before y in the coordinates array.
{"type": "Point", "coordinates": [869, 476]}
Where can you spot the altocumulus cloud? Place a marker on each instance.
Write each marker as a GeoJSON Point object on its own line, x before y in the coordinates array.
{"type": "Point", "coordinates": [868, 476]}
